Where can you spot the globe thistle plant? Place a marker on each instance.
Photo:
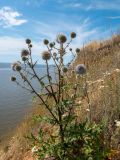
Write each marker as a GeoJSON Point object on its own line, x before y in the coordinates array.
{"type": "Point", "coordinates": [24, 58]}
{"type": "Point", "coordinates": [28, 41]}
{"type": "Point", "coordinates": [24, 53]}
{"type": "Point", "coordinates": [54, 54]}
{"type": "Point", "coordinates": [80, 69]}
{"type": "Point", "coordinates": [14, 65]}
{"type": "Point", "coordinates": [13, 78]}
{"type": "Point", "coordinates": [46, 42]}
{"type": "Point", "coordinates": [58, 95]}
{"type": "Point", "coordinates": [18, 68]}
{"type": "Point", "coordinates": [61, 38]}
{"type": "Point", "coordinates": [64, 69]}
{"type": "Point", "coordinates": [46, 55]}
{"type": "Point", "coordinates": [77, 50]}
{"type": "Point", "coordinates": [51, 45]}
{"type": "Point", "coordinates": [73, 34]}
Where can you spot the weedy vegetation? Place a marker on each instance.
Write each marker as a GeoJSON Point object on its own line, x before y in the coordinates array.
{"type": "Point", "coordinates": [81, 100]}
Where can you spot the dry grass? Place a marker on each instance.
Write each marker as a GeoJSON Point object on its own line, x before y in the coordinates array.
{"type": "Point", "coordinates": [103, 78]}
{"type": "Point", "coordinates": [18, 147]}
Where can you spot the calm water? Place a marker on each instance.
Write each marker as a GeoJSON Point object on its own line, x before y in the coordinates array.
{"type": "Point", "coordinates": [15, 102]}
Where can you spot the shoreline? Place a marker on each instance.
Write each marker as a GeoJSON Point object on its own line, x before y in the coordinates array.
{"type": "Point", "coordinates": [4, 140]}
{"type": "Point", "coordinates": [7, 136]}
{"type": "Point", "coordinates": [16, 145]}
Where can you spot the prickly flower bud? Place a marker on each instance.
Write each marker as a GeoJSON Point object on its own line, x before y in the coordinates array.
{"type": "Point", "coordinates": [61, 38]}
{"type": "Point", "coordinates": [46, 55]}
{"type": "Point", "coordinates": [24, 52]}
{"type": "Point", "coordinates": [51, 45]}
{"type": "Point", "coordinates": [73, 34]}
{"type": "Point", "coordinates": [28, 41]}
{"type": "Point", "coordinates": [80, 69]}
{"type": "Point", "coordinates": [24, 59]}
{"type": "Point", "coordinates": [18, 68]}
{"type": "Point", "coordinates": [64, 69]}
{"type": "Point", "coordinates": [54, 54]}
{"type": "Point", "coordinates": [77, 50]}
{"type": "Point", "coordinates": [13, 78]}
{"type": "Point", "coordinates": [45, 41]}
{"type": "Point", "coordinates": [14, 65]}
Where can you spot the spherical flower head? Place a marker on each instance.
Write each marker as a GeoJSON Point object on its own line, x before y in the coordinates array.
{"type": "Point", "coordinates": [24, 58]}
{"type": "Point", "coordinates": [80, 69]}
{"type": "Point", "coordinates": [77, 50]}
{"type": "Point", "coordinates": [73, 34]}
{"type": "Point", "coordinates": [46, 55]}
{"type": "Point", "coordinates": [64, 69]}
{"type": "Point", "coordinates": [28, 41]}
{"type": "Point", "coordinates": [13, 66]}
{"type": "Point", "coordinates": [61, 38]}
{"type": "Point", "coordinates": [13, 78]}
{"type": "Point", "coordinates": [18, 68]}
{"type": "Point", "coordinates": [54, 54]}
{"type": "Point", "coordinates": [45, 41]}
{"type": "Point", "coordinates": [51, 45]}
{"type": "Point", "coordinates": [24, 53]}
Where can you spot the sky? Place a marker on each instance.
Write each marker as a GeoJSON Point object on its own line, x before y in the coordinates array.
{"type": "Point", "coordinates": [44, 19]}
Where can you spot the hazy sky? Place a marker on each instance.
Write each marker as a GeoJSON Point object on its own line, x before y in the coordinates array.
{"type": "Point", "coordinates": [39, 19]}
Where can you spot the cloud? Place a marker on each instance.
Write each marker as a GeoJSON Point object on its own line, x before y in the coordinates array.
{"type": "Point", "coordinates": [35, 3]}
{"type": "Point", "coordinates": [48, 30]}
{"type": "Point", "coordinates": [8, 17]}
{"type": "Point", "coordinates": [104, 5]}
{"type": "Point", "coordinates": [73, 5]}
{"type": "Point", "coordinates": [113, 17]}
{"type": "Point", "coordinates": [92, 5]}
{"type": "Point", "coordinates": [13, 45]}
{"type": "Point", "coordinates": [82, 28]}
